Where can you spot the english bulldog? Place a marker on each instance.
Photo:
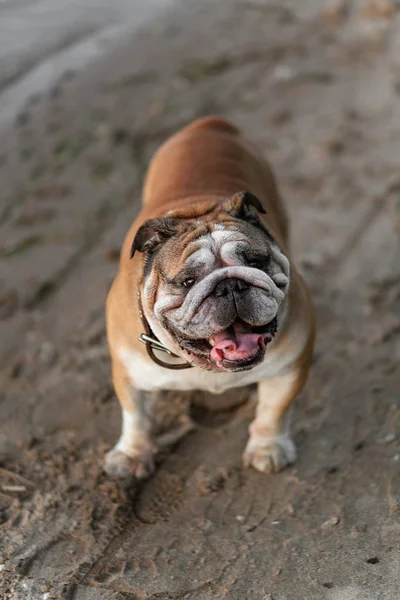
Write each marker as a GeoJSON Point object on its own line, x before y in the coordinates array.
{"type": "Point", "coordinates": [207, 296]}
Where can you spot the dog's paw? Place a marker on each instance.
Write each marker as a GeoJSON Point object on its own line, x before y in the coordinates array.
{"type": "Point", "coordinates": [270, 456]}
{"type": "Point", "coordinates": [118, 464]}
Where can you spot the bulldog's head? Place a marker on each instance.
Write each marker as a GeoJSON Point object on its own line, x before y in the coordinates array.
{"type": "Point", "coordinates": [213, 283]}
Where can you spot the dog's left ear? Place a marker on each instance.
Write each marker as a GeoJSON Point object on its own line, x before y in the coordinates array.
{"type": "Point", "coordinates": [239, 206]}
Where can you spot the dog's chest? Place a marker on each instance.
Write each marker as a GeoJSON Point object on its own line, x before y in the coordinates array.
{"type": "Point", "coordinates": [148, 376]}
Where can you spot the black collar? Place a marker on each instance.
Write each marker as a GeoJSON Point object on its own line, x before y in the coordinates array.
{"type": "Point", "coordinates": [152, 343]}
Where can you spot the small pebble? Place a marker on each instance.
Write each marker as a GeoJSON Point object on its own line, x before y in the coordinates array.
{"type": "Point", "coordinates": [283, 73]}
{"type": "Point", "coordinates": [387, 439]}
{"type": "Point", "coordinates": [331, 521]}
{"type": "Point", "coordinates": [13, 488]}
{"type": "Point", "coordinates": [291, 510]}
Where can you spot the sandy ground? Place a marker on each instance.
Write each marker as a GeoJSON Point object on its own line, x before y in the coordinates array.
{"type": "Point", "coordinates": [317, 87]}
{"type": "Point", "coordinates": [42, 39]}
{"type": "Point", "coordinates": [31, 30]}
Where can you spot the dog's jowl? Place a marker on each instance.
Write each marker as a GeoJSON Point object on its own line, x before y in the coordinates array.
{"type": "Point", "coordinates": [207, 296]}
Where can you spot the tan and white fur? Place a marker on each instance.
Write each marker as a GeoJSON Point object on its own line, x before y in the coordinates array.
{"type": "Point", "coordinates": [212, 266]}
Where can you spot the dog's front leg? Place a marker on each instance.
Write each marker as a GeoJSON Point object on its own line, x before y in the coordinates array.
{"type": "Point", "coordinates": [270, 446]}
{"type": "Point", "coordinates": [133, 455]}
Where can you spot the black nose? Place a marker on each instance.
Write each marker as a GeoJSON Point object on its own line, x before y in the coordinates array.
{"type": "Point", "coordinates": [228, 286]}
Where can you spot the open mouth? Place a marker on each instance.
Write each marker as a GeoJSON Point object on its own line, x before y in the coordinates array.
{"type": "Point", "coordinates": [240, 346]}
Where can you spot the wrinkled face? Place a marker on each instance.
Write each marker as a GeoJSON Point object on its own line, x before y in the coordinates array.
{"type": "Point", "coordinates": [217, 291]}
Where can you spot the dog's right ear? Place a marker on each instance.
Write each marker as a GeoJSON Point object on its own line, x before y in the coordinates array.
{"type": "Point", "coordinates": [152, 233]}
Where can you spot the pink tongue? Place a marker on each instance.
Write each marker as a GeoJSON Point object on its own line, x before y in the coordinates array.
{"type": "Point", "coordinates": [238, 345]}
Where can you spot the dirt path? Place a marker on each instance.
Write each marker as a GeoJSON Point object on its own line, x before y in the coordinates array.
{"type": "Point", "coordinates": [34, 30]}
{"type": "Point", "coordinates": [318, 89]}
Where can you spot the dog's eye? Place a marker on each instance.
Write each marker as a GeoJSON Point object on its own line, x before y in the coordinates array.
{"type": "Point", "coordinates": [188, 283]}
{"type": "Point", "coordinates": [258, 263]}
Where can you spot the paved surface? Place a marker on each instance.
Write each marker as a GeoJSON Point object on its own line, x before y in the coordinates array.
{"type": "Point", "coordinates": [317, 87]}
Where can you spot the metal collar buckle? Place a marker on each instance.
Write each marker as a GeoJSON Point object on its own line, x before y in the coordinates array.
{"type": "Point", "coordinates": [155, 344]}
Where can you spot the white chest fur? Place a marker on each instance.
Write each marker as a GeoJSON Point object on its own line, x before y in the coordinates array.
{"type": "Point", "coordinates": [146, 375]}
